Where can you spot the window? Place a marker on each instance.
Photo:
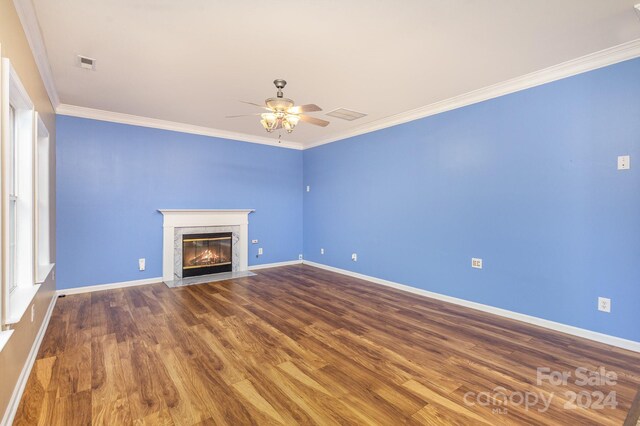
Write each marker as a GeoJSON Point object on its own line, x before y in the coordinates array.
{"type": "Point", "coordinates": [13, 200]}
{"type": "Point", "coordinates": [18, 210]}
{"type": "Point", "coordinates": [43, 258]}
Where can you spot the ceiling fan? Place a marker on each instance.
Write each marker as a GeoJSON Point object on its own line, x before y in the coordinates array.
{"type": "Point", "coordinates": [282, 112]}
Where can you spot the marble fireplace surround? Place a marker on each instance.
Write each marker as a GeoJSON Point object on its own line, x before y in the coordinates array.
{"type": "Point", "coordinates": [224, 220]}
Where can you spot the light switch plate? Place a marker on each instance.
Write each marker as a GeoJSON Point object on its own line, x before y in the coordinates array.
{"type": "Point", "coordinates": [476, 263]}
{"type": "Point", "coordinates": [260, 251]}
{"type": "Point", "coordinates": [624, 162]}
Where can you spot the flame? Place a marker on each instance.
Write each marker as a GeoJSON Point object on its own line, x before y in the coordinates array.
{"type": "Point", "coordinates": [207, 257]}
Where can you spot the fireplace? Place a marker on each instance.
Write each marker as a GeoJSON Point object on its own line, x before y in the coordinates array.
{"type": "Point", "coordinates": [182, 223]}
{"type": "Point", "coordinates": [204, 254]}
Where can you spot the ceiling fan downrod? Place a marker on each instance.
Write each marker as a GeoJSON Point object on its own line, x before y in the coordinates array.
{"type": "Point", "coordinates": [279, 83]}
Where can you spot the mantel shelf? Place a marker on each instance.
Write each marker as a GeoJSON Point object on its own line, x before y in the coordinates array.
{"type": "Point", "coordinates": [163, 211]}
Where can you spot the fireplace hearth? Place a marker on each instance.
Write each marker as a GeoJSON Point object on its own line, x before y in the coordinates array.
{"type": "Point", "coordinates": [204, 254]}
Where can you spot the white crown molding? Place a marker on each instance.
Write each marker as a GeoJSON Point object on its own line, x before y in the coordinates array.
{"type": "Point", "coordinates": [552, 325]}
{"type": "Point", "coordinates": [136, 120]}
{"type": "Point", "coordinates": [29, 21]}
{"type": "Point", "coordinates": [592, 61]}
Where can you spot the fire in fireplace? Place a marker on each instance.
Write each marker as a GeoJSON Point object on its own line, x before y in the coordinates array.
{"type": "Point", "coordinates": [204, 254]}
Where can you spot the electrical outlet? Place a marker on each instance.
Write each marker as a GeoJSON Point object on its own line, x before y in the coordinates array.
{"type": "Point", "coordinates": [299, 257]}
{"type": "Point", "coordinates": [254, 241]}
{"type": "Point", "coordinates": [33, 312]}
{"type": "Point", "coordinates": [142, 264]}
{"type": "Point", "coordinates": [604, 304]}
{"type": "Point", "coordinates": [624, 162]}
{"type": "Point", "coordinates": [354, 257]}
{"type": "Point", "coordinates": [476, 263]}
{"type": "Point", "coordinates": [321, 251]}
{"type": "Point", "coordinates": [308, 188]}
{"type": "Point", "coordinates": [260, 251]}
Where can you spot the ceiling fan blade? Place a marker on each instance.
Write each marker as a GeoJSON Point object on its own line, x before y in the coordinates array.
{"type": "Point", "coordinates": [263, 106]}
{"type": "Point", "coordinates": [314, 121]}
{"type": "Point", "coordinates": [252, 103]}
{"type": "Point", "coordinates": [243, 115]}
{"type": "Point", "coordinates": [304, 108]}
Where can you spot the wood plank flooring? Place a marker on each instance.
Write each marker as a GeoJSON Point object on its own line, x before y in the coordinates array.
{"type": "Point", "coordinates": [300, 345]}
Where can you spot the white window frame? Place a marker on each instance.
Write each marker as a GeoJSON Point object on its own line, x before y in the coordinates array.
{"type": "Point", "coordinates": [42, 202]}
{"type": "Point", "coordinates": [15, 301]}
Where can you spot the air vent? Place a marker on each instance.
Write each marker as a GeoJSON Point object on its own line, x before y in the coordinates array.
{"type": "Point", "coordinates": [346, 114]}
{"type": "Point", "coordinates": [86, 63]}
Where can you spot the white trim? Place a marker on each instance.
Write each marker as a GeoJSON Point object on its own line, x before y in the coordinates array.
{"type": "Point", "coordinates": [43, 271]}
{"type": "Point", "coordinates": [14, 402]}
{"type": "Point", "coordinates": [18, 94]}
{"type": "Point", "coordinates": [163, 211]}
{"type": "Point", "coordinates": [147, 281]}
{"type": "Point", "coordinates": [552, 325]}
{"type": "Point", "coordinates": [101, 287]}
{"type": "Point", "coordinates": [592, 61]}
{"type": "Point", "coordinates": [275, 264]}
{"type": "Point", "coordinates": [136, 120]}
{"type": "Point", "coordinates": [29, 22]}
{"type": "Point", "coordinates": [4, 337]}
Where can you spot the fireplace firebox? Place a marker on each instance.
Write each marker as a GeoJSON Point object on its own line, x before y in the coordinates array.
{"type": "Point", "coordinates": [204, 254]}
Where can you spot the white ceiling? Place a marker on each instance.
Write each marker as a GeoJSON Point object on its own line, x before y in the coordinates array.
{"type": "Point", "coordinates": [192, 61]}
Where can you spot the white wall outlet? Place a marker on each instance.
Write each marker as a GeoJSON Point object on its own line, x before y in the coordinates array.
{"type": "Point", "coordinates": [321, 251]}
{"type": "Point", "coordinates": [624, 162]}
{"type": "Point", "coordinates": [476, 263]}
{"type": "Point", "coordinates": [254, 241]}
{"type": "Point", "coordinates": [142, 264]}
{"type": "Point", "coordinates": [299, 257]}
{"type": "Point", "coordinates": [260, 252]}
{"type": "Point", "coordinates": [308, 188]}
{"type": "Point", "coordinates": [604, 304]}
{"type": "Point", "coordinates": [354, 257]}
{"type": "Point", "coordinates": [33, 312]}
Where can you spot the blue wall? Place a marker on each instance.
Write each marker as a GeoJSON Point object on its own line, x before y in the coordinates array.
{"type": "Point", "coordinates": [528, 182]}
{"type": "Point", "coordinates": [112, 178]}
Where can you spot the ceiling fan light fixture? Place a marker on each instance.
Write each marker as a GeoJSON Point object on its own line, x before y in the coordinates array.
{"type": "Point", "coordinates": [282, 112]}
{"type": "Point", "coordinates": [269, 121]}
{"type": "Point", "coordinates": [289, 122]}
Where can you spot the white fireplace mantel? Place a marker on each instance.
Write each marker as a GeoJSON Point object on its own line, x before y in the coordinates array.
{"type": "Point", "coordinates": [183, 218]}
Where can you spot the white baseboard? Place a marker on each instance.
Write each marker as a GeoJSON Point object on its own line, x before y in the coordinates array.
{"type": "Point", "coordinates": [552, 325]}
{"type": "Point", "coordinates": [14, 402]}
{"type": "Point", "coordinates": [275, 265]}
{"type": "Point", "coordinates": [100, 287]}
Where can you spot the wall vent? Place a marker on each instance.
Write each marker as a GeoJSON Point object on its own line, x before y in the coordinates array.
{"type": "Point", "coordinates": [86, 63]}
{"type": "Point", "coordinates": [346, 114]}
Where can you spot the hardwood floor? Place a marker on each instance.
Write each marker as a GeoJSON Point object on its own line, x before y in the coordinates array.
{"type": "Point", "coordinates": [300, 345]}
